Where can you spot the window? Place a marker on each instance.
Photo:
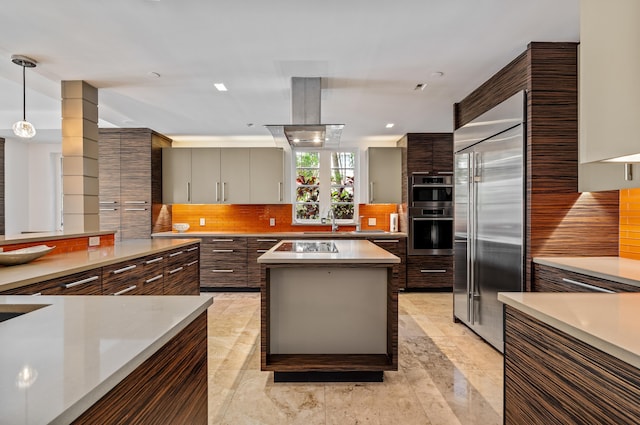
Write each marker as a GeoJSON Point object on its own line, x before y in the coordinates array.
{"type": "Point", "coordinates": [324, 180]}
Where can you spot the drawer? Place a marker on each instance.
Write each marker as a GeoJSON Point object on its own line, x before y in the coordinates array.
{"type": "Point", "coordinates": [261, 243]}
{"type": "Point", "coordinates": [398, 247]}
{"type": "Point", "coordinates": [552, 279]}
{"type": "Point", "coordinates": [84, 283]}
{"type": "Point", "coordinates": [183, 279]}
{"type": "Point", "coordinates": [255, 248]}
{"type": "Point", "coordinates": [237, 243]}
{"type": "Point", "coordinates": [182, 255]}
{"type": "Point", "coordinates": [123, 278]}
{"type": "Point", "coordinates": [224, 269]}
{"type": "Point", "coordinates": [430, 271]}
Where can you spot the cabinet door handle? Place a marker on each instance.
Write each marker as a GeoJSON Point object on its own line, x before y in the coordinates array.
{"type": "Point", "coordinates": [108, 209]}
{"type": "Point", "coordinates": [222, 271]}
{"type": "Point", "coordinates": [587, 286]}
{"type": "Point", "coordinates": [108, 202]}
{"type": "Point", "coordinates": [217, 191]}
{"type": "Point", "coordinates": [80, 282]}
{"type": "Point", "coordinates": [371, 192]}
{"type": "Point", "coordinates": [222, 250]}
{"type": "Point", "coordinates": [153, 279]}
{"type": "Point", "coordinates": [195, 248]}
{"type": "Point", "coordinates": [266, 240]}
{"type": "Point", "coordinates": [37, 294]}
{"type": "Point", "coordinates": [433, 271]}
{"type": "Point", "coordinates": [173, 254]}
{"type": "Point", "coordinates": [188, 192]}
{"type": "Point", "coordinates": [176, 270]}
{"type": "Point", "coordinates": [444, 172]}
{"type": "Point", "coordinates": [124, 269]}
{"type": "Point", "coordinates": [221, 240]}
{"type": "Point", "coordinates": [192, 263]}
{"type": "Point", "coordinates": [135, 209]}
{"type": "Point", "coordinates": [135, 202]}
{"type": "Point", "coordinates": [386, 240]}
{"type": "Point", "coordinates": [261, 251]}
{"type": "Point", "coordinates": [280, 191]}
{"type": "Point", "coordinates": [155, 260]}
{"type": "Point", "coordinates": [224, 190]}
{"type": "Point", "coordinates": [124, 291]}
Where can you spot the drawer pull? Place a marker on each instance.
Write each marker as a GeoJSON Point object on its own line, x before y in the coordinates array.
{"type": "Point", "coordinates": [155, 260]}
{"type": "Point", "coordinates": [195, 248]}
{"type": "Point", "coordinates": [108, 202]}
{"type": "Point", "coordinates": [153, 279]}
{"type": "Point", "coordinates": [433, 271]}
{"type": "Point", "coordinates": [37, 294]}
{"type": "Point", "coordinates": [125, 269]}
{"type": "Point", "coordinates": [173, 254]}
{"type": "Point", "coordinates": [135, 209]}
{"type": "Point", "coordinates": [261, 251]}
{"type": "Point", "coordinates": [80, 282]}
{"type": "Point", "coordinates": [175, 270]}
{"type": "Point", "coordinates": [222, 250]}
{"type": "Point", "coordinates": [222, 271]}
{"type": "Point", "coordinates": [266, 240]}
{"type": "Point", "coordinates": [108, 209]}
{"type": "Point", "coordinates": [135, 202]}
{"type": "Point", "coordinates": [124, 291]}
{"type": "Point", "coordinates": [587, 286]}
{"type": "Point", "coordinates": [386, 240]}
{"type": "Point", "coordinates": [192, 263]}
{"type": "Point", "coordinates": [220, 240]}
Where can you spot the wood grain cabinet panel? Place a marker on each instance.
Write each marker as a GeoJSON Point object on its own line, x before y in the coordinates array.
{"type": "Point", "coordinates": [123, 278]}
{"type": "Point", "coordinates": [397, 247]}
{"type": "Point", "coordinates": [552, 279]}
{"type": "Point", "coordinates": [255, 248]}
{"type": "Point", "coordinates": [84, 283]}
{"type": "Point", "coordinates": [429, 271]}
{"type": "Point", "coordinates": [223, 262]}
{"type": "Point", "coordinates": [182, 275]}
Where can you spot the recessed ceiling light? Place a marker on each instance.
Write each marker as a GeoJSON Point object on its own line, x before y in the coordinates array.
{"type": "Point", "coordinates": [389, 125]}
{"type": "Point", "coordinates": [220, 86]}
{"type": "Point", "coordinates": [296, 140]}
{"type": "Point", "coordinates": [420, 86]}
{"type": "Point", "coordinates": [250, 124]}
{"type": "Point", "coordinates": [437, 74]}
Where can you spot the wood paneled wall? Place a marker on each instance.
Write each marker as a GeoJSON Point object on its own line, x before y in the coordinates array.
{"type": "Point", "coordinates": [559, 219]}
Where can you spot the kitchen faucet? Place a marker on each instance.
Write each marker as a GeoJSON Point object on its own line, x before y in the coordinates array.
{"type": "Point", "coordinates": [332, 215]}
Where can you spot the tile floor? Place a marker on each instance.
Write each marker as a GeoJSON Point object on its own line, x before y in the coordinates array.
{"type": "Point", "coordinates": [447, 375]}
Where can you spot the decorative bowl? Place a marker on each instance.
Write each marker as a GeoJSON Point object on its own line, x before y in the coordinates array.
{"type": "Point", "coordinates": [24, 255]}
{"type": "Point", "coordinates": [181, 227]}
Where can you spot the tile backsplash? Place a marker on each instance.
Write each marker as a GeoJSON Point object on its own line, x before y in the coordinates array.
{"type": "Point", "coordinates": [630, 223]}
{"type": "Point", "coordinates": [255, 218]}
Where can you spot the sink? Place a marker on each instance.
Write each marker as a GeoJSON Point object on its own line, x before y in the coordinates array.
{"type": "Point", "coordinates": [370, 231]}
{"type": "Point", "coordinates": [9, 311]}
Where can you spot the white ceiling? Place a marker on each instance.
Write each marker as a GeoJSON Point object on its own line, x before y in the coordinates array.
{"type": "Point", "coordinates": [370, 54]}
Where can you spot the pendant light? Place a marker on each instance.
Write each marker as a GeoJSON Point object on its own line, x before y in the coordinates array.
{"type": "Point", "coordinates": [24, 128]}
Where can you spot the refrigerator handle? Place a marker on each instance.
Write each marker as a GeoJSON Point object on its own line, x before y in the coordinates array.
{"type": "Point", "coordinates": [471, 235]}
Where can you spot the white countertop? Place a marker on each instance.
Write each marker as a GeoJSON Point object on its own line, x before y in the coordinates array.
{"type": "Point", "coordinates": [47, 236]}
{"type": "Point", "coordinates": [349, 251]}
{"type": "Point", "coordinates": [617, 269]}
{"type": "Point", "coordinates": [288, 235]}
{"type": "Point", "coordinates": [77, 348]}
{"type": "Point", "coordinates": [52, 266]}
{"type": "Point", "coordinates": [609, 322]}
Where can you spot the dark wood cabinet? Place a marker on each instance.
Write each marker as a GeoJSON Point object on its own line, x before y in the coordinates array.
{"type": "Point", "coordinates": [84, 283]}
{"type": "Point", "coordinates": [427, 153]}
{"type": "Point", "coordinates": [397, 247]}
{"type": "Point", "coordinates": [430, 271]}
{"type": "Point", "coordinates": [223, 262]}
{"type": "Point", "coordinates": [552, 279]}
{"type": "Point", "coordinates": [255, 248]}
{"type": "Point", "coordinates": [182, 272]}
{"type": "Point", "coordinates": [130, 183]}
{"type": "Point", "coordinates": [123, 278]}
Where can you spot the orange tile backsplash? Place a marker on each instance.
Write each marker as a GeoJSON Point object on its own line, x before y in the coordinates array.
{"type": "Point", "coordinates": [255, 218]}
{"type": "Point", "coordinates": [64, 245]}
{"type": "Point", "coordinates": [630, 223]}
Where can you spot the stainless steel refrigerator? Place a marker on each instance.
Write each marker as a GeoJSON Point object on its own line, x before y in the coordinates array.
{"type": "Point", "coordinates": [489, 201]}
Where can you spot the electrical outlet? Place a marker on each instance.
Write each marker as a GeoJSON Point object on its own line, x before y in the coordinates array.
{"type": "Point", "coordinates": [272, 221]}
{"type": "Point", "coordinates": [372, 221]}
{"type": "Point", "coordinates": [202, 221]}
{"type": "Point", "coordinates": [94, 240]}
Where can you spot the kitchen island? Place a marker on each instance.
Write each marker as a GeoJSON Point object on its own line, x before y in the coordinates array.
{"type": "Point", "coordinates": [572, 358]}
{"type": "Point", "coordinates": [88, 359]}
{"type": "Point", "coordinates": [329, 310]}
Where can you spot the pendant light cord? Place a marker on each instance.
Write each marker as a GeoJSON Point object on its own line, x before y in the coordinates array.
{"type": "Point", "coordinates": [24, 95]}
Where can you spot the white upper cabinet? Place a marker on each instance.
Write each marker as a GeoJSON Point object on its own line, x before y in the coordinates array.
{"type": "Point", "coordinates": [385, 175]}
{"type": "Point", "coordinates": [267, 175]}
{"type": "Point", "coordinates": [609, 92]}
{"type": "Point", "coordinates": [222, 175]}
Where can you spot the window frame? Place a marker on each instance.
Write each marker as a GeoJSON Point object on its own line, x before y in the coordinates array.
{"type": "Point", "coordinates": [325, 182]}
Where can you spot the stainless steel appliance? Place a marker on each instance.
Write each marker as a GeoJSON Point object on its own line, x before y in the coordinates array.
{"type": "Point", "coordinates": [489, 216]}
{"type": "Point", "coordinates": [430, 215]}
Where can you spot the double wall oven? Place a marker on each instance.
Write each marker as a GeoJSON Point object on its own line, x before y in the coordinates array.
{"type": "Point", "coordinates": [430, 214]}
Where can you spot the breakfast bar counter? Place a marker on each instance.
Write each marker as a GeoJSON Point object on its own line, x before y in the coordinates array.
{"type": "Point", "coordinates": [329, 310]}
{"type": "Point", "coordinates": [88, 359]}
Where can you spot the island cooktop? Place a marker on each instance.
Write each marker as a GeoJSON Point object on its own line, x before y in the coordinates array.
{"type": "Point", "coordinates": [308, 246]}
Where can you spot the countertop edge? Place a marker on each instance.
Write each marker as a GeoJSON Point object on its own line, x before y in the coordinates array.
{"type": "Point", "coordinates": [557, 262]}
{"type": "Point", "coordinates": [48, 236]}
{"type": "Point", "coordinates": [586, 337]}
{"type": "Point", "coordinates": [305, 235]}
{"type": "Point", "coordinates": [84, 403]}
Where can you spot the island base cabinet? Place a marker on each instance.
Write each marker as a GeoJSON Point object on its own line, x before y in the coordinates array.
{"type": "Point", "coordinates": [553, 378]}
{"type": "Point", "coordinates": [168, 388]}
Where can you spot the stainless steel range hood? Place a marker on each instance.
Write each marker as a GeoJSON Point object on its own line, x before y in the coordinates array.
{"type": "Point", "coordinates": [305, 129]}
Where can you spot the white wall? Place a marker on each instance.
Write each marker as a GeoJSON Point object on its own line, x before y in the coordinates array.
{"type": "Point", "coordinates": [32, 188]}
